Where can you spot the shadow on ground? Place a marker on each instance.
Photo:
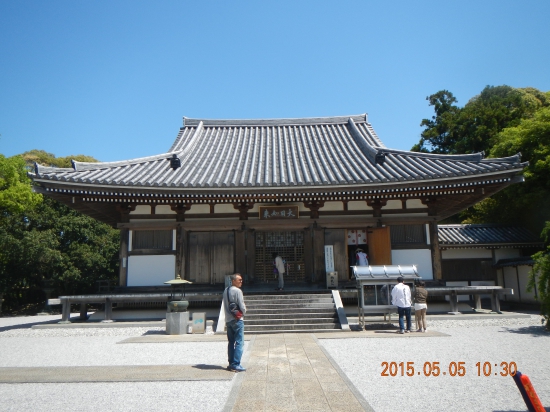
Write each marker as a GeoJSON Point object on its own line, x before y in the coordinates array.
{"type": "Point", "coordinates": [209, 367]}
{"type": "Point", "coordinates": [155, 332]}
{"type": "Point", "coordinates": [25, 325]}
{"type": "Point", "coordinates": [534, 331]}
{"type": "Point", "coordinates": [375, 327]}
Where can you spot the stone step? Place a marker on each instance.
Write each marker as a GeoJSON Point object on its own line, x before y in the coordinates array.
{"type": "Point", "coordinates": [268, 303]}
{"type": "Point", "coordinates": [291, 327]}
{"type": "Point", "coordinates": [296, 321]}
{"type": "Point", "coordinates": [289, 301]}
{"type": "Point", "coordinates": [304, 313]}
{"type": "Point", "coordinates": [292, 297]}
{"type": "Point", "coordinates": [275, 313]}
{"type": "Point", "coordinates": [265, 332]}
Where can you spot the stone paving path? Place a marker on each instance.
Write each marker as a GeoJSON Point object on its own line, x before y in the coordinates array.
{"type": "Point", "coordinates": [117, 373]}
{"type": "Point", "coordinates": [291, 372]}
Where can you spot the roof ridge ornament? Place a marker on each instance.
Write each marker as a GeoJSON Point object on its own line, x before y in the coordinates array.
{"type": "Point", "coordinates": [380, 157]}
{"type": "Point", "coordinates": [175, 161]}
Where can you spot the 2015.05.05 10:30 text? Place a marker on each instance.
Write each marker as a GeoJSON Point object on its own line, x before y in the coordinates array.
{"type": "Point", "coordinates": [484, 369]}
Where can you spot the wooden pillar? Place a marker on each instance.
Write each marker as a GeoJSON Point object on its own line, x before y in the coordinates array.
{"type": "Point", "coordinates": [319, 253]}
{"type": "Point", "coordinates": [240, 253]}
{"type": "Point", "coordinates": [181, 252]}
{"type": "Point", "coordinates": [180, 210]}
{"type": "Point", "coordinates": [436, 252]}
{"type": "Point", "coordinates": [308, 254]}
{"type": "Point", "coordinates": [243, 208]}
{"type": "Point", "coordinates": [314, 206]}
{"type": "Point", "coordinates": [337, 238]}
{"type": "Point", "coordinates": [377, 205]}
{"type": "Point", "coordinates": [250, 239]}
{"type": "Point", "coordinates": [123, 258]}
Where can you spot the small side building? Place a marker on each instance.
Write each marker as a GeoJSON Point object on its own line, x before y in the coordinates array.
{"type": "Point", "coordinates": [489, 255]}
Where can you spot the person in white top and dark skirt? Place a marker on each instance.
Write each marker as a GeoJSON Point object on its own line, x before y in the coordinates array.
{"type": "Point", "coordinates": [420, 306]}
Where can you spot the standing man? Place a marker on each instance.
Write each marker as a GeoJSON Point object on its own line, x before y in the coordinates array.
{"type": "Point", "coordinates": [234, 326]}
{"type": "Point", "coordinates": [401, 297]}
{"type": "Point", "coordinates": [280, 266]}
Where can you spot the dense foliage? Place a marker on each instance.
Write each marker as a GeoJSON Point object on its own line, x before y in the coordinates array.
{"type": "Point", "coordinates": [474, 127]}
{"type": "Point", "coordinates": [542, 279]}
{"type": "Point", "coordinates": [502, 121]}
{"type": "Point", "coordinates": [46, 244]}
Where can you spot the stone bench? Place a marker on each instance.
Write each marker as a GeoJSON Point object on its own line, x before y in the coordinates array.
{"type": "Point", "coordinates": [476, 291]}
{"type": "Point", "coordinates": [107, 300]}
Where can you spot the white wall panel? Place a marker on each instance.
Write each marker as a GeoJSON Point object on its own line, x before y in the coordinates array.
{"type": "Point", "coordinates": [164, 210]}
{"type": "Point", "coordinates": [466, 254]}
{"type": "Point", "coordinates": [422, 258]}
{"type": "Point", "coordinates": [150, 270]}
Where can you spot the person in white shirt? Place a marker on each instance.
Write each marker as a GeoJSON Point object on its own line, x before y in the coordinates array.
{"type": "Point", "coordinates": [401, 297]}
{"type": "Point", "coordinates": [361, 258]}
{"type": "Point", "coordinates": [280, 266]}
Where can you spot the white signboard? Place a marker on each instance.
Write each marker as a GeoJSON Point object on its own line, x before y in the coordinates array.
{"type": "Point", "coordinates": [199, 322]}
{"type": "Point", "coordinates": [329, 258]}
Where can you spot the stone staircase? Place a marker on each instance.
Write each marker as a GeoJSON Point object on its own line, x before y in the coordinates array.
{"type": "Point", "coordinates": [276, 313]}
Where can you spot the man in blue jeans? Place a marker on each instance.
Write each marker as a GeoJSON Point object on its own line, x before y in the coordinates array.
{"type": "Point", "coordinates": [235, 327]}
{"type": "Point", "coordinates": [401, 297]}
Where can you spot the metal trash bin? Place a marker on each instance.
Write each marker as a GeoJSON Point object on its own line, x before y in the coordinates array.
{"type": "Point", "coordinates": [332, 279]}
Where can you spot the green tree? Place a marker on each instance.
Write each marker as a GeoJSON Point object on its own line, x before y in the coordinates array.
{"type": "Point", "coordinates": [525, 203]}
{"type": "Point", "coordinates": [473, 128]}
{"type": "Point", "coordinates": [541, 269]}
{"type": "Point", "coordinates": [48, 242]}
{"type": "Point", "coordinates": [16, 193]}
{"type": "Point", "coordinates": [48, 159]}
{"type": "Point", "coordinates": [501, 121]}
{"type": "Point", "coordinates": [440, 133]}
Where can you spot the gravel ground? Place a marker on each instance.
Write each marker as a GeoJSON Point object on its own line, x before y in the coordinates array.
{"type": "Point", "coordinates": [21, 346]}
{"type": "Point", "coordinates": [522, 341]}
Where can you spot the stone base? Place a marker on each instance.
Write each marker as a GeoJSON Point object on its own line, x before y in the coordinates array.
{"type": "Point", "coordinates": [176, 323]}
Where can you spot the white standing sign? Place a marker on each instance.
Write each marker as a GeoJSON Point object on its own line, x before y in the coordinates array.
{"type": "Point", "coordinates": [329, 258]}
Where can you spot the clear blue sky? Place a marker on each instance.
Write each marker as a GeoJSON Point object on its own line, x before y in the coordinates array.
{"type": "Point", "coordinates": [113, 79]}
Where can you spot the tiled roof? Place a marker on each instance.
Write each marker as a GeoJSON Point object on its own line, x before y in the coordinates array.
{"type": "Point", "coordinates": [518, 261]}
{"type": "Point", "coordinates": [313, 152]}
{"type": "Point", "coordinates": [485, 235]}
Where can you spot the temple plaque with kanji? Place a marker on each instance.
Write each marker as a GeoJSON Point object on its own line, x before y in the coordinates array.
{"type": "Point", "coordinates": [278, 212]}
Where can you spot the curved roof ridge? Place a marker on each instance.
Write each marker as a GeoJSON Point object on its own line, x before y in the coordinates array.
{"type": "Point", "coordinates": [510, 159]}
{"type": "Point", "coordinates": [78, 166]}
{"type": "Point", "coordinates": [368, 150]}
{"type": "Point", "coordinates": [187, 121]}
{"type": "Point", "coordinates": [38, 169]}
{"type": "Point", "coordinates": [374, 135]}
{"type": "Point", "coordinates": [473, 157]}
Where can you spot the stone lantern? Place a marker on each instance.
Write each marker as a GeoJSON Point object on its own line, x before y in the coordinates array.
{"type": "Point", "coordinates": [177, 317]}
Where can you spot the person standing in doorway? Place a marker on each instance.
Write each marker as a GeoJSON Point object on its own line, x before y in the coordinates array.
{"type": "Point", "coordinates": [361, 258]}
{"type": "Point", "coordinates": [280, 266]}
{"type": "Point", "coordinates": [234, 326]}
{"type": "Point", "coordinates": [401, 297]}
